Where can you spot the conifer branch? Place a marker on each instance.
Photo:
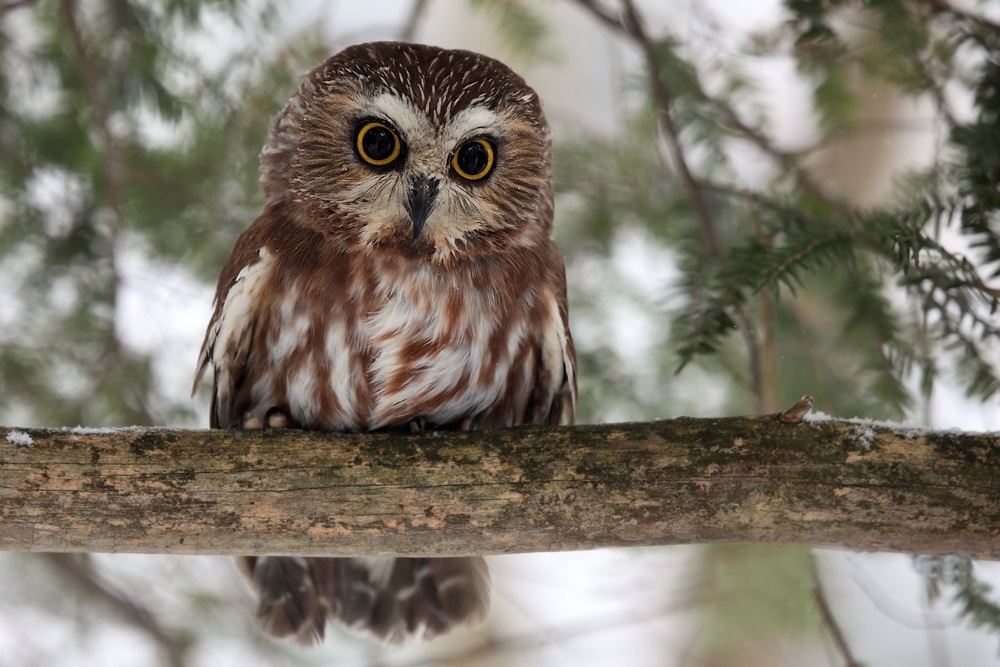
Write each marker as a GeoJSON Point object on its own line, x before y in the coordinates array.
{"type": "Point", "coordinates": [826, 614]}
{"type": "Point", "coordinates": [11, 5]}
{"type": "Point", "coordinates": [113, 163]}
{"type": "Point", "coordinates": [786, 161]}
{"type": "Point", "coordinates": [631, 24]}
{"type": "Point", "coordinates": [409, 29]}
{"type": "Point", "coordinates": [77, 571]}
{"type": "Point", "coordinates": [944, 7]}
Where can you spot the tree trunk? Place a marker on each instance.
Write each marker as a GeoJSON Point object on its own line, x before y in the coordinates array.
{"type": "Point", "coordinates": [682, 481]}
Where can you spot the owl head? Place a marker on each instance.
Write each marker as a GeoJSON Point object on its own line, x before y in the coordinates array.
{"type": "Point", "coordinates": [414, 149]}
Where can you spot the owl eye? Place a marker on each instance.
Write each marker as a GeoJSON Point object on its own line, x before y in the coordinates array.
{"type": "Point", "coordinates": [378, 144]}
{"type": "Point", "coordinates": [473, 160]}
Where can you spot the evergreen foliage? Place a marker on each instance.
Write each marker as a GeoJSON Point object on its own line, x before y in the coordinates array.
{"type": "Point", "coordinates": [116, 140]}
{"type": "Point", "coordinates": [872, 300]}
{"type": "Point", "coordinates": [974, 599]}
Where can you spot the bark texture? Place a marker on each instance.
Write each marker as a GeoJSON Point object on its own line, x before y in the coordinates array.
{"type": "Point", "coordinates": [826, 483]}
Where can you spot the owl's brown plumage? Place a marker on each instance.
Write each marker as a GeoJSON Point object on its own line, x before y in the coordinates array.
{"type": "Point", "coordinates": [401, 273]}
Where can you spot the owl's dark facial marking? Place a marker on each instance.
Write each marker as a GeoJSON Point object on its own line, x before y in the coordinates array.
{"type": "Point", "coordinates": [444, 154]}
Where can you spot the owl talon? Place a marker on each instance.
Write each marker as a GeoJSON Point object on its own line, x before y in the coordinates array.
{"type": "Point", "coordinates": [273, 418]}
{"type": "Point", "coordinates": [418, 425]}
{"type": "Point", "coordinates": [276, 418]}
{"type": "Point", "coordinates": [250, 422]}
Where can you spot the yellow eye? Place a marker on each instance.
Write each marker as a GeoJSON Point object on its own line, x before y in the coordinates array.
{"type": "Point", "coordinates": [378, 144]}
{"type": "Point", "coordinates": [473, 160]}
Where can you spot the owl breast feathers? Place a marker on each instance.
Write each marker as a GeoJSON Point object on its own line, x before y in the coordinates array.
{"type": "Point", "coordinates": [401, 274]}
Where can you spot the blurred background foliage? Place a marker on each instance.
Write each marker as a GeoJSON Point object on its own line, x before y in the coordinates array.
{"type": "Point", "coordinates": [717, 263]}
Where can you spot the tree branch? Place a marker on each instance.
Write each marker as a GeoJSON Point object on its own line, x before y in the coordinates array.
{"type": "Point", "coordinates": [826, 483]}
{"type": "Point", "coordinates": [787, 161]}
{"type": "Point", "coordinates": [80, 574]}
{"type": "Point", "coordinates": [635, 27]}
{"type": "Point", "coordinates": [826, 615]}
{"type": "Point", "coordinates": [113, 171]}
{"type": "Point", "coordinates": [944, 7]}
{"type": "Point", "coordinates": [11, 5]}
{"type": "Point", "coordinates": [632, 25]}
{"type": "Point", "coordinates": [409, 29]}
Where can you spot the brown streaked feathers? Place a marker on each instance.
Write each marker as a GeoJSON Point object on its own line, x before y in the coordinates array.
{"type": "Point", "coordinates": [339, 310]}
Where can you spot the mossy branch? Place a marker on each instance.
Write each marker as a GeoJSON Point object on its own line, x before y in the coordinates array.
{"type": "Point", "coordinates": [826, 483]}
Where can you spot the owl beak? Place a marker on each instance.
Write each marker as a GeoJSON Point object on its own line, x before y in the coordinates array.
{"type": "Point", "coordinates": [420, 201]}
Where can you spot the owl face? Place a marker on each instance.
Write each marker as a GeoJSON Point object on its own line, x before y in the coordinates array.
{"type": "Point", "coordinates": [429, 152]}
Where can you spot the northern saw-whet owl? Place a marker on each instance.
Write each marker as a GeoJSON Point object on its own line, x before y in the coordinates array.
{"type": "Point", "coordinates": [401, 275]}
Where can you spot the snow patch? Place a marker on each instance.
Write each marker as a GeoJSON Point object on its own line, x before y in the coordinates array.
{"type": "Point", "coordinates": [20, 439]}
{"type": "Point", "coordinates": [109, 430]}
{"type": "Point", "coordinates": [865, 434]}
{"type": "Point", "coordinates": [869, 425]}
{"type": "Point", "coordinates": [898, 428]}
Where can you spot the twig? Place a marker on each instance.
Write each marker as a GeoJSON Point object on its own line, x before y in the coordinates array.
{"type": "Point", "coordinates": [114, 169]}
{"type": "Point", "coordinates": [537, 639]}
{"type": "Point", "coordinates": [665, 102]}
{"type": "Point", "coordinates": [819, 595]}
{"type": "Point", "coordinates": [114, 175]}
{"type": "Point", "coordinates": [602, 15]}
{"type": "Point", "coordinates": [796, 413]}
{"type": "Point", "coordinates": [936, 648]}
{"type": "Point", "coordinates": [409, 28]}
{"type": "Point", "coordinates": [768, 353]}
{"type": "Point", "coordinates": [786, 160]}
{"type": "Point", "coordinates": [752, 197]}
{"type": "Point", "coordinates": [15, 4]}
{"type": "Point", "coordinates": [872, 589]}
{"type": "Point", "coordinates": [944, 7]}
{"type": "Point", "coordinates": [77, 570]}
{"type": "Point", "coordinates": [812, 356]}
{"type": "Point", "coordinates": [631, 24]}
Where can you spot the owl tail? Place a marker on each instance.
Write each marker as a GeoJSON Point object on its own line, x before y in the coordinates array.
{"type": "Point", "coordinates": [393, 599]}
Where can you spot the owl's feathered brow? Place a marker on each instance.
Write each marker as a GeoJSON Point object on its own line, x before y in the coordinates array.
{"type": "Point", "coordinates": [406, 294]}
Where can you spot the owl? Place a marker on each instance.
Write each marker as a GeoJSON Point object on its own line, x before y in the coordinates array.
{"type": "Point", "coordinates": [402, 275]}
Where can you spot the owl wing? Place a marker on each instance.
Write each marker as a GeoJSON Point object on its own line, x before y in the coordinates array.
{"type": "Point", "coordinates": [558, 361]}
{"type": "Point", "coordinates": [239, 298]}
{"type": "Point", "coordinates": [563, 408]}
{"type": "Point", "coordinates": [541, 385]}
